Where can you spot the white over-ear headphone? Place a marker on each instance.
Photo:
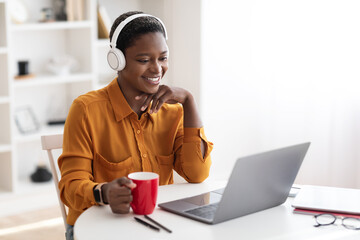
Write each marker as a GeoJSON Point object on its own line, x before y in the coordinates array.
{"type": "Point", "coordinates": [115, 56]}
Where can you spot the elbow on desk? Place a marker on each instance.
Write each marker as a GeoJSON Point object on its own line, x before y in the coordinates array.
{"type": "Point", "coordinates": [196, 173]}
{"type": "Point", "coordinates": [197, 178]}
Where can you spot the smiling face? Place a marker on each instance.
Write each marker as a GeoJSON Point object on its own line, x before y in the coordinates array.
{"type": "Point", "coordinates": [146, 64]}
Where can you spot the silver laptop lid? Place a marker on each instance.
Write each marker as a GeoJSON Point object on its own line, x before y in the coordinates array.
{"type": "Point", "coordinates": [260, 181]}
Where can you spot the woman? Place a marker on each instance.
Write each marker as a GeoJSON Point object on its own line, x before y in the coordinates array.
{"type": "Point", "coordinates": [133, 124]}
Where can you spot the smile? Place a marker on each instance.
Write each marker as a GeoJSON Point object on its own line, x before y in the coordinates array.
{"type": "Point", "coordinates": [153, 80]}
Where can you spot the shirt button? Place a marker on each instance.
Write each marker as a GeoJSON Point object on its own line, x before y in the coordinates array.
{"type": "Point", "coordinates": [144, 155]}
{"type": "Point", "coordinates": [138, 131]}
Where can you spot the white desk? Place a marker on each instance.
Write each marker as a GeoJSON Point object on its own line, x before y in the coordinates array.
{"type": "Point", "coordinates": [278, 223]}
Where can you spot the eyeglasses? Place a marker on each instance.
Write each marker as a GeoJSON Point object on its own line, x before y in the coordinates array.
{"type": "Point", "coordinates": [328, 219]}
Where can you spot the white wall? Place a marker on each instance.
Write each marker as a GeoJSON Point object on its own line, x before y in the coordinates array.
{"type": "Point", "coordinates": [183, 22]}
{"type": "Point", "coordinates": [281, 72]}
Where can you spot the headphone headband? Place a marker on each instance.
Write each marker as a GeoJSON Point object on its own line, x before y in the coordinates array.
{"type": "Point", "coordinates": [115, 56]}
{"type": "Point", "coordinates": [126, 21]}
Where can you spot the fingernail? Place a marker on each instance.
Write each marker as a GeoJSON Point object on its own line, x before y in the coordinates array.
{"type": "Point", "coordinates": [142, 108]}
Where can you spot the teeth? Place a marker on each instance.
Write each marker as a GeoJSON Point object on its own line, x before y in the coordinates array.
{"type": "Point", "coordinates": [153, 79]}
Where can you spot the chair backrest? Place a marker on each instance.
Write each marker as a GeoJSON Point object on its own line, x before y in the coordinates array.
{"type": "Point", "coordinates": [49, 143]}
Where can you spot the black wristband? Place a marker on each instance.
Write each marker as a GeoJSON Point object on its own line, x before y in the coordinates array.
{"type": "Point", "coordinates": [98, 194]}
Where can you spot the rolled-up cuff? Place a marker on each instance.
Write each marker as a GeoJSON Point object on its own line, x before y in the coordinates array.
{"type": "Point", "coordinates": [196, 135]}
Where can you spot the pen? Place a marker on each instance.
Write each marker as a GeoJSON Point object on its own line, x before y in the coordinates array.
{"type": "Point", "coordinates": [147, 224]}
{"type": "Point", "coordinates": [152, 220]}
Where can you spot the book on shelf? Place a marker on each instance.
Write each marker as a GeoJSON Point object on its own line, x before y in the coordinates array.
{"type": "Point", "coordinates": [79, 10]}
{"type": "Point", "coordinates": [316, 212]}
{"type": "Point", "coordinates": [104, 22]}
{"type": "Point", "coordinates": [75, 10]}
{"type": "Point", "coordinates": [69, 10]}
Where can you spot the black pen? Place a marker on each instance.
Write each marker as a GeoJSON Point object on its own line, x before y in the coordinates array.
{"type": "Point", "coordinates": [152, 220]}
{"type": "Point", "coordinates": [147, 224]}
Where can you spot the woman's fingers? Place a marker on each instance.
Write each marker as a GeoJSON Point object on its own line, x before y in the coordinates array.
{"type": "Point", "coordinates": [166, 98]}
{"type": "Point", "coordinates": [119, 195]}
{"type": "Point", "coordinates": [158, 99]}
{"type": "Point", "coordinates": [165, 94]}
{"type": "Point", "coordinates": [146, 99]}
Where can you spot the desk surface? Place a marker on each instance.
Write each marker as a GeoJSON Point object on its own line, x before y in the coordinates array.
{"type": "Point", "coordinates": [278, 223]}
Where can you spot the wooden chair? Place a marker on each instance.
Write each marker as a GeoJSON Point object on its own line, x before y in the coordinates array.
{"type": "Point", "coordinates": [49, 143]}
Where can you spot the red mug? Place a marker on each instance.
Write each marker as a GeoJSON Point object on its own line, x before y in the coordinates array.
{"type": "Point", "coordinates": [145, 192]}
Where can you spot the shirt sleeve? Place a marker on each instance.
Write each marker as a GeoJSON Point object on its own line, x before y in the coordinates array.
{"type": "Point", "coordinates": [75, 163]}
{"type": "Point", "coordinates": [189, 160]}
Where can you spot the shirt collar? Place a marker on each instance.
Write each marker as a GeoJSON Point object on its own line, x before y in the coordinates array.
{"type": "Point", "coordinates": [119, 104]}
{"type": "Point", "coordinates": [118, 101]}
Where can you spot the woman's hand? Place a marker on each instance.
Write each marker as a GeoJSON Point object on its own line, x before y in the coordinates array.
{"type": "Point", "coordinates": [173, 95]}
{"type": "Point", "coordinates": [165, 94]}
{"type": "Point", "coordinates": [118, 194]}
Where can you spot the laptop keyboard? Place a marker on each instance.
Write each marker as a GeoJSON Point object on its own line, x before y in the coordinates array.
{"type": "Point", "coordinates": [207, 211]}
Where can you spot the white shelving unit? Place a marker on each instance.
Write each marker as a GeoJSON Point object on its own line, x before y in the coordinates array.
{"type": "Point", "coordinates": [48, 95]}
{"type": "Point", "coordinates": [51, 26]}
{"type": "Point", "coordinates": [7, 176]}
{"type": "Point", "coordinates": [53, 79]}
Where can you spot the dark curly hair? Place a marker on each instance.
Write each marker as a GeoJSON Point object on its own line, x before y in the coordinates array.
{"type": "Point", "coordinates": [134, 29]}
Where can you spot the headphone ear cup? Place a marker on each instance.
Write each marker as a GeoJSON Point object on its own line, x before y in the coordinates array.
{"type": "Point", "coordinates": [116, 59]}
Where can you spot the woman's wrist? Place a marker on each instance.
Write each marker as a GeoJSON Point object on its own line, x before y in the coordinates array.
{"type": "Point", "coordinates": [191, 115]}
{"type": "Point", "coordinates": [104, 189]}
{"type": "Point", "coordinates": [188, 100]}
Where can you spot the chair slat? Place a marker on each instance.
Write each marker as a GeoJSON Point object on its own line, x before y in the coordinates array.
{"type": "Point", "coordinates": [49, 143]}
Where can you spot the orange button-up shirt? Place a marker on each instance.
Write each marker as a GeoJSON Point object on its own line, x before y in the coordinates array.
{"type": "Point", "coordinates": [105, 140]}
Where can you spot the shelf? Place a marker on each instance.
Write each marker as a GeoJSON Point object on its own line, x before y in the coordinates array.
{"type": "Point", "coordinates": [5, 148]}
{"type": "Point", "coordinates": [53, 79]}
{"type": "Point", "coordinates": [44, 130]}
{"type": "Point", "coordinates": [3, 50]}
{"type": "Point", "coordinates": [51, 26]}
{"type": "Point", "coordinates": [4, 100]}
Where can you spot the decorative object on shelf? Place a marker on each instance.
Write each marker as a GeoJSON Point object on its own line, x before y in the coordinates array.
{"type": "Point", "coordinates": [41, 174]}
{"type": "Point", "coordinates": [62, 65]}
{"type": "Point", "coordinates": [60, 10]}
{"type": "Point", "coordinates": [23, 70]}
{"type": "Point", "coordinates": [47, 15]}
{"type": "Point", "coordinates": [18, 12]}
{"type": "Point", "coordinates": [25, 120]}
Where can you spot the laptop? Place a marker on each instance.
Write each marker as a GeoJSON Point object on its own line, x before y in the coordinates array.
{"type": "Point", "coordinates": [257, 182]}
{"type": "Point", "coordinates": [328, 199]}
